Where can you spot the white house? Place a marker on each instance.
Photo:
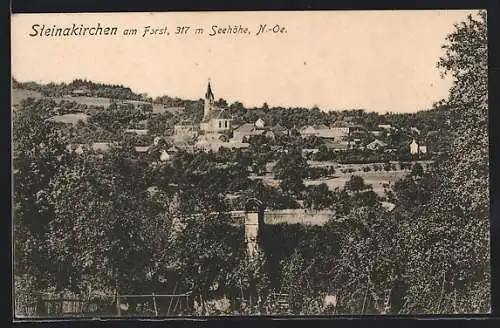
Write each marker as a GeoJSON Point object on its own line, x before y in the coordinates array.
{"type": "Point", "coordinates": [384, 126]}
{"type": "Point", "coordinates": [414, 147]}
{"type": "Point", "coordinates": [164, 156]}
{"type": "Point", "coordinates": [260, 123]}
{"type": "Point", "coordinates": [141, 132]}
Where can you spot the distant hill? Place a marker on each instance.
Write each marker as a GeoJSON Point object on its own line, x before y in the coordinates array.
{"type": "Point", "coordinates": [19, 95]}
{"type": "Point", "coordinates": [81, 87]}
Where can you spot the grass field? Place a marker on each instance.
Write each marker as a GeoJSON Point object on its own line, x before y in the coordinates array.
{"type": "Point", "coordinates": [95, 101]}
{"type": "Point", "coordinates": [375, 178]}
{"type": "Point", "coordinates": [69, 118]}
{"type": "Point", "coordinates": [19, 95]}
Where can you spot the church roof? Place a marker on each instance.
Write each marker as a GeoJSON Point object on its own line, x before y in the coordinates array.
{"type": "Point", "coordinates": [216, 114]}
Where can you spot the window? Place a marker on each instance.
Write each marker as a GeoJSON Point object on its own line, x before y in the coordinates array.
{"type": "Point", "coordinates": [220, 124]}
{"type": "Point", "coordinates": [225, 124]}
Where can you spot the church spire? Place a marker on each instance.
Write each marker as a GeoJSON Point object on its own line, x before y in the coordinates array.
{"type": "Point", "coordinates": [209, 94]}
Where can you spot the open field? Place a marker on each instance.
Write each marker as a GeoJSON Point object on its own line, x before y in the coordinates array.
{"type": "Point", "coordinates": [375, 178]}
{"type": "Point", "coordinates": [69, 118]}
{"type": "Point", "coordinates": [19, 95]}
{"type": "Point", "coordinates": [89, 101]}
{"type": "Point", "coordinates": [105, 102]}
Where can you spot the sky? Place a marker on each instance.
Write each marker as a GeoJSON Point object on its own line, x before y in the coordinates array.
{"type": "Point", "coordinates": [383, 61]}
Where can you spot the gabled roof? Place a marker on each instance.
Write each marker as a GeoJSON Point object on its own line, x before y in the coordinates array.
{"type": "Point", "coordinates": [247, 127]}
{"type": "Point", "coordinates": [216, 114]}
{"type": "Point", "coordinates": [376, 142]}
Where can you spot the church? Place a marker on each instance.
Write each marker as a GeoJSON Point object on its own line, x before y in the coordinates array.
{"type": "Point", "coordinates": [211, 131]}
{"type": "Point", "coordinates": [215, 120]}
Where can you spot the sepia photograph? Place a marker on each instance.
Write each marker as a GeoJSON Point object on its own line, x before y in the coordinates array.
{"type": "Point", "coordinates": [272, 163]}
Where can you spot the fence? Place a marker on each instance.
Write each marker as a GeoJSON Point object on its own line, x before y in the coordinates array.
{"type": "Point", "coordinates": [153, 304]}
{"type": "Point", "coordinates": [44, 304]}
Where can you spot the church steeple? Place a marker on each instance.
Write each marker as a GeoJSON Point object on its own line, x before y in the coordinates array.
{"type": "Point", "coordinates": [209, 100]}
{"type": "Point", "coordinates": [209, 94]}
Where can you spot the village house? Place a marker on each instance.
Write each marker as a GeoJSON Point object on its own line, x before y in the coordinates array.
{"type": "Point", "coordinates": [214, 142]}
{"type": "Point", "coordinates": [386, 127]}
{"type": "Point", "coordinates": [80, 93]}
{"type": "Point", "coordinates": [141, 149]}
{"type": "Point", "coordinates": [337, 146]}
{"type": "Point", "coordinates": [139, 132]}
{"type": "Point", "coordinates": [416, 148]}
{"type": "Point", "coordinates": [245, 131]}
{"type": "Point", "coordinates": [260, 124]}
{"type": "Point", "coordinates": [164, 155]}
{"type": "Point", "coordinates": [186, 129]}
{"type": "Point", "coordinates": [376, 145]}
{"type": "Point", "coordinates": [279, 130]}
{"type": "Point", "coordinates": [325, 132]}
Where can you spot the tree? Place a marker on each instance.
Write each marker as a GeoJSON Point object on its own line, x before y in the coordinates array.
{"type": "Point", "coordinates": [93, 205]}
{"type": "Point", "coordinates": [291, 168]}
{"type": "Point", "coordinates": [448, 238]}
{"type": "Point", "coordinates": [318, 197]}
{"type": "Point", "coordinates": [370, 262]}
{"type": "Point", "coordinates": [356, 184]}
{"type": "Point", "coordinates": [39, 151]}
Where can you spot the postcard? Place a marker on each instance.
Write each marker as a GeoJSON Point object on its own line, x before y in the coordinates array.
{"type": "Point", "coordinates": [272, 163]}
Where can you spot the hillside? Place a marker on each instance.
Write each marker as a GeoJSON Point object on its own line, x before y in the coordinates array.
{"type": "Point", "coordinates": [19, 95]}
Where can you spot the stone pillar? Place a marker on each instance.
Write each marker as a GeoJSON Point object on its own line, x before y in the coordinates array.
{"type": "Point", "coordinates": [251, 232]}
